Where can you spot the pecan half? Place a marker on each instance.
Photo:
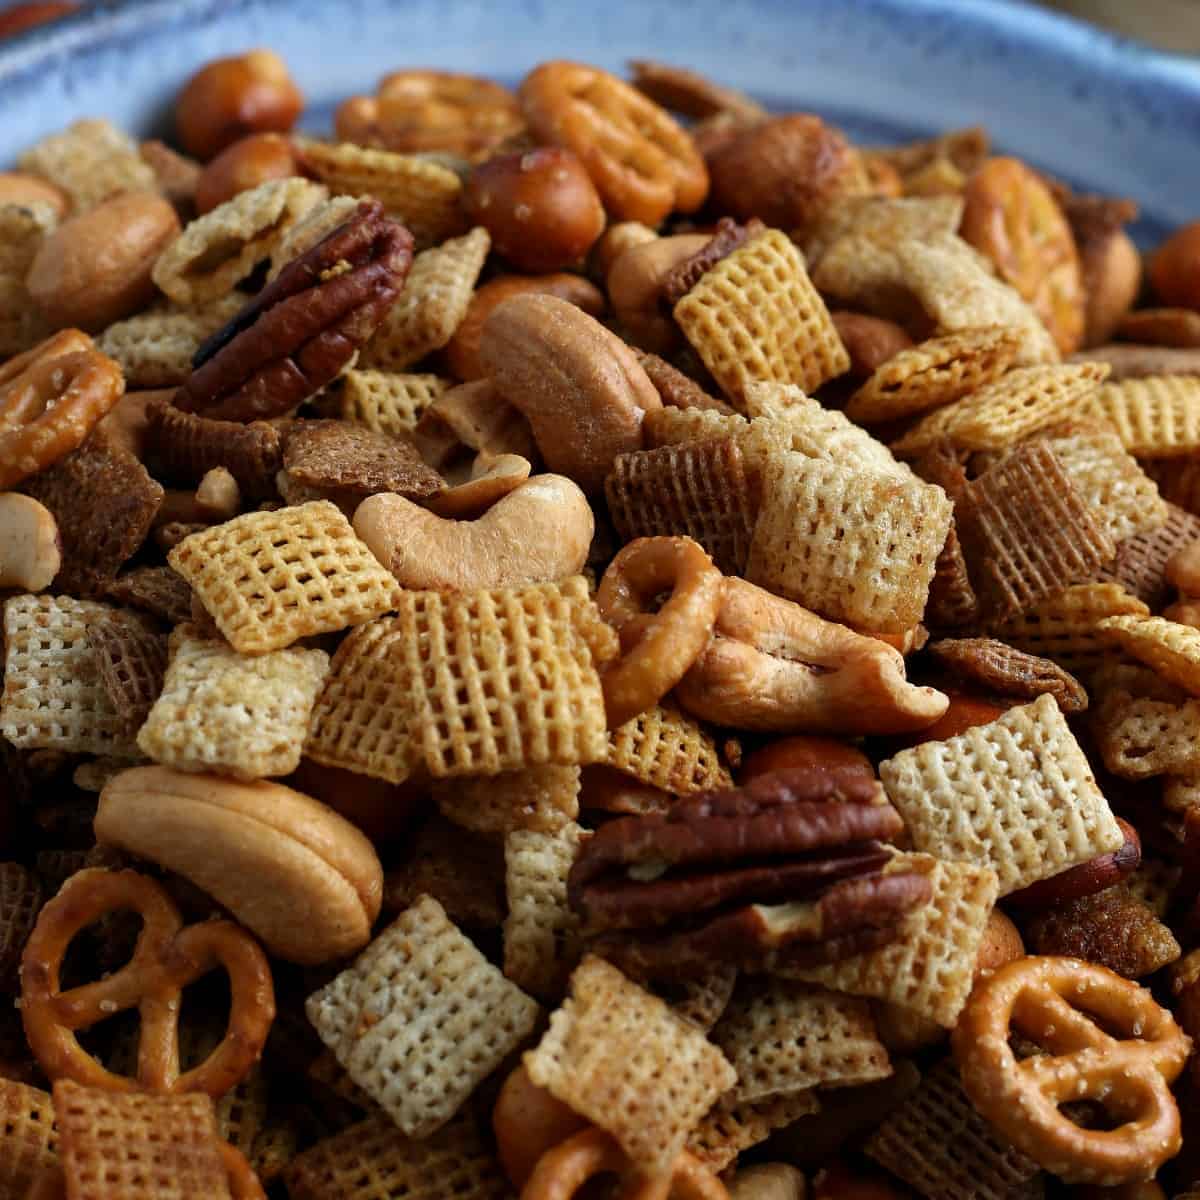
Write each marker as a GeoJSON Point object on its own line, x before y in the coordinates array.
{"type": "Point", "coordinates": [304, 326]}
{"type": "Point", "coordinates": [1008, 671]}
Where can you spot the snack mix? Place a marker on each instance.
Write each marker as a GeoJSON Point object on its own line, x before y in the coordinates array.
{"type": "Point", "coordinates": [591, 632]}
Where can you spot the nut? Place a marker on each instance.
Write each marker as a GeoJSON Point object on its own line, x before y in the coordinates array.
{"type": "Point", "coordinates": [870, 341]}
{"type": "Point", "coordinates": [1183, 569]}
{"type": "Point", "coordinates": [839, 1182]}
{"type": "Point", "coordinates": [768, 1181]}
{"type": "Point", "coordinates": [21, 189]}
{"type": "Point", "coordinates": [1175, 328]}
{"type": "Point", "coordinates": [218, 495]}
{"type": "Point", "coordinates": [94, 269]}
{"type": "Point", "coordinates": [469, 420]}
{"type": "Point", "coordinates": [540, 207]}
{"type": "Point", "coordinates": [462, 351]}
{"type": "Point", "coordinates": [1113, 276]}
{"type": "Point", "coordinates": [528, 1121]}
{"type": "Point", "coordinates": [635, 283]}
{"type": "Point", "coordinates": [491, 479]}
{"type": "Point", "coordinates": [727, 237]}
{"type": "Point", "coordinates": [1174, 268]}
{"type": "Point", "coordinates": [962, 713]}
{"type": "Point", "coordinates": [580, 386]}
{"type": "Point", "coordinates": [1001, 944]}
{"type": "Point", "coordinates": [904, 1031]}
{"type": "Point", "coordinates": [232, 97]}
{"type": "Point", "coordinates": [30, 549]}
{"type": "Point", "coordinates": [613, 242]}
{"type": "Point", "coordinates": [244, 165]}
{"type": "Point", "coordinates": [810, 753]}
{"type": "Point", "coordinates": [299, 876]}
{"type": "Point", "coordinates": [538, 533]}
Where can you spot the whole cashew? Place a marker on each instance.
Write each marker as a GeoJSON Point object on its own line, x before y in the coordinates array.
{"type": "Point", "coordinates": [30, 548]}
{"type": "Point", "coordinates": [768, 1181]}
{"type": "Point", "coordinates": [540, 532]}
{"type": "Point", "coordinates": [635, 289]}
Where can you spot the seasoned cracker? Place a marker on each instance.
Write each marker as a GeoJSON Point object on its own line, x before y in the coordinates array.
{"type": "Point", "coordinates": [619, 1057]}
{"type": "Point", "coordinates": [540, 800]}
{"type": "Point", "coordinates": [23, 228]}
{"type": "Point", "coordinates": [1000, 668]}
{"type": "Point", "coordinates": [756, 317]}
{"type": "Point", "coordinates": [90, 160]}
{"type": "Point", "coordinates": [666, 749]}
{"type": "Point", "coordinates": [387, 401]}
{"type": "Point", "coordinates": [338, 454]}
{"type": "Point", "coordinates": [131, 656]}
{"type": "Point", "coordinates": [1016, 795]}
{"type": "Point", "coordinates": [269, 578]}
{"type": "Point", "coordinates": [421, 1018]}
{"type": "Point", "coordinates": [1156, 417]}
{"type": "Point", "coordinates": [30, 1136]}
{"type": "Point", "coordinates": [728, 1129]}
{"type": "Point", "coordinates": [1140, 565]}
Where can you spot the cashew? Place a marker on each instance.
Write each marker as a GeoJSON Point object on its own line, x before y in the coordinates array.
{"type": "Point", "coordinates": [635, 284]}
{"type": "Point", "coordinates": [475, 416]}
{"type": "Point", "coordinates": [1112, 270]}
{"type": "Point", "coordinates": [30, 549]}
{"type": "Point", "coordinates": [491, 480]}
{"type": "Point", "coordinates": [219, 495]}
{"type": "Point", "coordinates": [768, 1181]}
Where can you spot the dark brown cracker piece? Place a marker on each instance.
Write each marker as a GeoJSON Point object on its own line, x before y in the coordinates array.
{"type": "Point", "coordinates": [1002, 668]}
{"type": "Point", "coordinates": [729, 235]}
{"type": "Point", "coordinates": [339, 454]}
{"type": "Point", "coordinates": [104, 502]}
{"type": "Point", "coordinates": [20, 902]}
{"type": "Point", "coordinates": [677, 390]}
{"type": "Point", "coordinates": [1026, 533]}
{"type": "Point", "coordinates": [1141, 561]}
{"type": "Point", "coordinates": [159, 591]}
{"type": "Point", "coordinates": [952, 600]}
{"type": "Point", "coordinates": [131, 656]}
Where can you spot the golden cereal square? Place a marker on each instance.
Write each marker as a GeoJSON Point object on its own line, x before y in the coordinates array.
{"type": "Point", "coordinates": [90, 160]}
{"type": "Point", "coordinates": [729, 1128]}
{"type": "Point", "coordinates": [620, 1057]}
{"type": "Point", "coordinates": [1142, 736]}
{"type": "Point", "coordinates": [1171, 649]}
{"type": "Point", "coordinates": [388, 402]}
{"type": "Point", "coordinates": [668, 426]}
{"type": "Point", "coordinates": [880, 221]}
{"type": "Point", "coordinates": [666, 749]}
{"type": "Point", "coordinates": [756, 317]}
{"type": "Point", "coordinates": [1156, 417]}
{"type": "Point", "coordinates": [269, 578]}
{"type": "Point", "coordinates": [29, 1136]}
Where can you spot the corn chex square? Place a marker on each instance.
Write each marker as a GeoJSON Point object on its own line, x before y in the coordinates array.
{"type": "Point", "coordinates": [1171, 649]}
{"type": "Point", "coordinates": [388, 402]}
{"type": "Point", "coordinates": [30, 1136]}
{"type": "Point", "coordinates": [421, 1018]}
{"type": "Point", "coordinates": [269, 578]}
{"type": "Point", "coordinates": [541, 799]}
{"type": "Point", "coordinates": [1157, 417]}
{"type": "Point", "coordinates": [230, 714]}
{"type": "Point", "coordinates": [90, 160]}
{"type": "Point", "coordinates": [1016, 795]}
{"type": "Point", "coordinates": [729, 1128]}
{"type": "Point", "coordinates": [666, 749]}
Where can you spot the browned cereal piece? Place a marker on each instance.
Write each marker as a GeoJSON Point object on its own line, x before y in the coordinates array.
{"type": "Point", "coordinates": [131, 656]}
{"type": "Point", "coordinates": [539, 800]}
{"type": "Point", "coordinates": [90, 161]}
{"type": "Point", "coordinates": [337, 454]}
{"type": "Point", "coordinates": [1177, 327]}
{"type": "Point", "coordinates": [316, 224]}
{"type": "Point", "coordinates": [22, 327]}
{"type": "Point", "coordinates": [729, 1128]}
{"type": "Point", "coordinates": [756, 317]}
{"type": "Point", "coordinates": [624, 1060]}
{"type": "Point", "coordinates": [676, 426]}
{"type": "Point", "coordinates": [22, 231]}
{"type": "Point", "coordinates": [664, 748]}
{"type": "Point", "coordinates": [1142, 736]}
{"type": "Point", "coordinates": [432, 305]}
{"type": "Point", "coordinates": [1002, 669]}
{"type": "Point", "coordinates": [1155, 417]}
{"type": "Point", "coordinates": [1137, 362]}
{"type": "Point", "coordinates": [952, 600]}
{"type": "Point", "coordinates": [1171, 649]}
{"type": "Point", "coordinates": [387, 401]}
{"type": "Point", "coordinates": [855, 235]}
{"type": "Point", "coordinates": [677, 390]}
{"type": "Point", "coordinates": [177, 174]}
{"type": "Point", "coordinates": [30, 1136]}
{"type": "Point", "coordinates": [20, 902]}
{"type": "Point", "coordinates": [854, 545]}
{"type": "Point", "coordinates": [269, 578]}
{"type": "Point", "coordinates": [1016, 795]}
{"type": "Point", "coordinates": [965, 148]}
{"type": "Point", "coordinates": [421, 1018]}
{"type": "Point", "coordinates": [1140, 565]}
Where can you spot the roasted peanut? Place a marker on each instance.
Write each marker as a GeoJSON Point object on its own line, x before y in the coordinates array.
{"type": "Point", "coordinates": [1086, 879]}
{"type": "Point", "coordinates": [1174, 268]}
{"type": "Point", "coordinates": [94, 269]}
{"type": "Point", "coordinates": [1112, 273]}
{"type": "Point", "coordinates": [244, 165]}
{"type": "Point", "coordinates": [233, 97]}
{"type": "Point", "coordinates": [528, 1121]}
{"type": "Point", "coordinates": [1183, 569]}
{"type": "Point", "coordinates": [30, 549]}
{"type": "Point", "coordinates": [540, 206]}
{"type": "Point", "coordinates": [613, 242]}
{"type": "Point", "coordinates": [635, 289]}
{"type": "Point", "coordinates": [1001, 944]}
{"type": "Point", "coordinates": [768, 1181]}
{"type": "Point", "coordinates": [18, 188]}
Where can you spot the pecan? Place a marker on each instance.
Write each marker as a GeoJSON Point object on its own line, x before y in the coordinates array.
{"type": "Point", "coordinates": [303, 327]}
{"type": "Point", "coordinates": [1003, 669]}
{"type": "Point", "coordinates": [1096, 875]}
{"type": "Point", "coordinates": [684, 276]}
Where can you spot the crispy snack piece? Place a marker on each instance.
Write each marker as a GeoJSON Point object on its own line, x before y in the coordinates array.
{"type": "Point", "coordinates": [53, 694]}
{"type": "Point", "coordinates": [131, 657]}
{"type": "Point", "coordinates": [935, 372]}
{"type": "Point", "coordinates": [22, 230]}
{"type": "Point", "coordinates": [431, 307]}
{"type": "Point", "coordinates": [854, 230]}
{"type": "Point", "coordinates": [854, 545]}
{"type": "Point", "coordinates": [159, 591]}
{"type": "Point", "coordinates": [1026, 532]}
{"type": "Point", "coordinates": [336, 454]}
{"type": "Point", "coordinates": [621, 1058]}
{"type": "Point", "coordinates": [421, 1018]}
{"type": "Point", "coordinates": [320, 220]}
{"type": "Point", "coordinates": [669, 426]}
{"type": "Point", "coordinates": [756, 317]}
{"type": "Point", "coordinates": [30, 1136]}
{"type": "Point", "coordinates": [20, 901]}
{"type": "Point", "coordinates": [90, 160]}
{"type": "Point", "coordinates": [269, 578]}
{"type": "Point", "coordinates": [1141, 562]}
{"type": "Point", "coordinates": [1144, 737]}
{"type": "Point", "coordinates": [104, 502]}
{"type": "Point", "coordinates": [1016, 795]}
{"type": "Point", "coordinates": [221, 712]}
{"type": "Point", "coordinates": [952, 600]}
{"type": "Point", "coordinates": [539, 800]}
{"type": "Point", "coordinates": [677, 390]}
{"type": "Point", "coordinates": [387, 401]}
{"type": "Point", "coordinates": [664, 748]}
{"type": "Point", "coordinates": [1001, 668]}
{"type": "Point", "coordinates": [729, 1128]}
{"type": "Point", "coordinates": [782, 1038]}
{"type": "Point", "coordinates": [930, 965]}
{"type": "Point", "coordinates": [1137, 362]}
{"type": "Point", "coordinates": [1156, 417]}
{"type": "Point", "coordinates": [1171, 649]}
{"type": "Point", "coordinates": [937, 1142]}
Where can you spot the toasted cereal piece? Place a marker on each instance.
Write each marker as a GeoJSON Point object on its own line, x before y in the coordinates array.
{"type": "Point", "coordinates": [782, 1037]}
{"type": "Point", "coordinates": [231, 715]}
{"type": "Point", "coordinates": [1016, 795]}
{"type": "Point", "coordinates": [952, 600]}
{"type": "Point", "coordinates": [1002, 669]}
{"type": "Point", "coordinates": [159, 591]}
{"type": "Point", "coordinates": [104, 502]}
{"type": "Point", "coordinates": [541, 933]}
{"type": "Point", "coordinates": [700, 999]}
{"type": "Point", "coordinates": [316, 224]}
{"type": "Point", "coordinates": [22, 327]}
{"type": "Point", "coordinates": [674, 426]}
{"type": "Point", "coordinates": [131, 656]}
{"type": "Point", "coordinates": [1156, 417]}
{"type": "Point", "coordinates": [621, 1058]}
{"type": "Point", "coordinates": [965, 148]}
{"type": "Point", "coordinates": [540, 800]}
{"type": "Point", "coordinates": [23, 228]}
{"type": "Point", "coordinates": [1007, 411]}
{"type": "Point", "coordinates": [421, 1018]}
{"type": "Point", "coordinates": [505, 679]}
{"type": "Point", "coordinates": [930, 966]}
{"type": "Point", "coordinates": [1026, 532]}
{"type": "Point", "coordinates": [90, 160]}
{"type": "Point", "coordinates": [53, 695]}
{"type": "Point", "coordinates": [1140, 565]}
{"type": "Point", "coordinates": [20, 902]}
{"type": "Point", "coordinates": [217, 251]}
{"type": "Point", "coordinates": [729, 1128]}
{"type": "Point", "coordinates": [388, 402]}
{"type": "Point", "coordinates": [703, 490]}
{"type": "Point", "coordinates": [338, 454]}
{"type": "Point", "coordinates": [422, 194]}
{"type": "Point", "coordinates": [677, 390]}
{"type": "Point", "coordinates": [432, 305]}
{"type": "Point", "coordinates": [666, 749]}
{"type": "Point", "coordinates": [852, 544]}
{"type": "Point", "coordinates": [1171, 649]}
{"type": "Point", "coordinates": [879, 223]}
{"type": "Point", "coordinates": [1143, 737]}
{"type": "Point", "coordinates": [155, 348]}
{"type": "Point", "coordinates": [934, 373]}
{"type": "Point", "coordinates": [756, 317]}
{"type": "Point", "coordinates": [938, 1144]}
{"type": "Point", "coordinates": [268, 578]}
{"type": "Point", "coordinates": [375, 1161]}
{"type": "Point", "coordinates": [30, 1136]}
{"type": "Point", "coordinates": [1138, 362]}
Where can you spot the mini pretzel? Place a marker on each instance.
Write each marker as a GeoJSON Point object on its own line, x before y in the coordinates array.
{"type": "Point", "coordinates": [166, 959]}
{"type": "Point", "coordinates": [244, 1184]}
{"type": "Point", "coordinates": [1057, 1002]}
{"type": "Point", "coordinates": [562, 1172]}
{"type": "Point", "coordinates": [659, 648]}
{"type": "Point", "coordinates": [50, 400]}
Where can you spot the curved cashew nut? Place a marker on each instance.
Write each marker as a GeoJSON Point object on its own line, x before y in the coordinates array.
{"type": "Point", "coordinates": [540, 532]}
{"type": "Point", "coordinates": [635, 285]}
{"type": "Point", "coordinates": [30, 548]}
{"type": "Point", "coordinates": [773, 666]}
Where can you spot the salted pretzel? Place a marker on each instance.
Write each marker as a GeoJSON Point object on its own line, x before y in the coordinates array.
{"type": "Point", "coordinates": [561, 1173]}
{"type": "Point", "coordinates": [1060, 1004]}
{"type": "Point", "coordinates": [166, 959]}
{"type": "Point", "coordinates": [657, 648]}
{"type": "Point", "coordinates": [244, 1184]}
